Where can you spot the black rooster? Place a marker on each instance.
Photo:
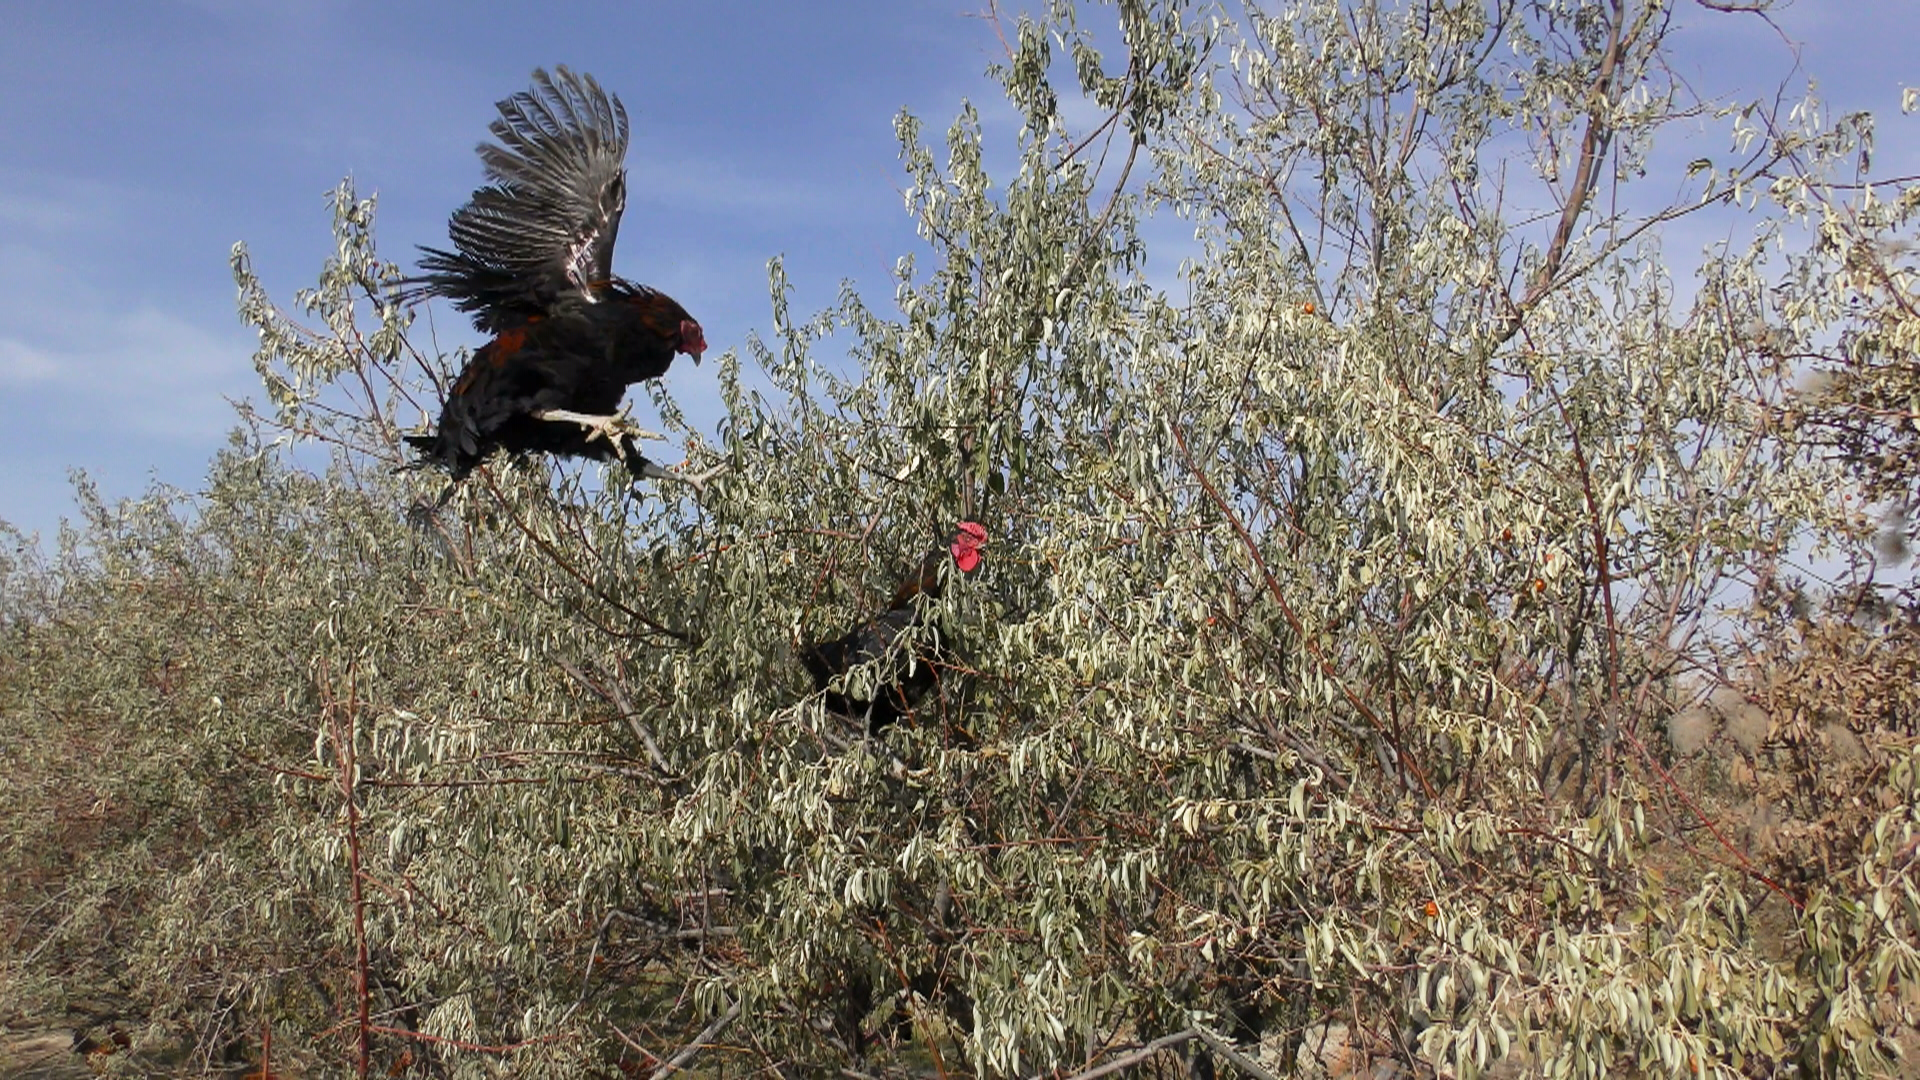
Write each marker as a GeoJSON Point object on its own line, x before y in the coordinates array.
{"type": "Point", "coordinates": [904, 680]}
{"type": "Point", "coordinates": [533, 264]}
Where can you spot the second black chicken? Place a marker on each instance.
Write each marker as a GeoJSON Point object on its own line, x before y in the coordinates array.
{"type": "Point", "coordinates": [905, 674]}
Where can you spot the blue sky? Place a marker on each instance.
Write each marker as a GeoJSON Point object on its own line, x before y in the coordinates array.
{"type": "Point", "coordinates": [143, 139]}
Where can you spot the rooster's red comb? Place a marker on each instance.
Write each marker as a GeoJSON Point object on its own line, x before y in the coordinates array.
{"type": "Point", "coordinates": [967, 540]}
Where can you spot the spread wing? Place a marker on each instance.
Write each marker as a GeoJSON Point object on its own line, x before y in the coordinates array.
{"type": "Point", "coordinates": [542, 233]}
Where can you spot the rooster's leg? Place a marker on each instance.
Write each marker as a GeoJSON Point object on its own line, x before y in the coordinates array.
{"type": "Point", "coordinates": [612, 428]}
{"type": "Point", "coordinates": [617, 430]}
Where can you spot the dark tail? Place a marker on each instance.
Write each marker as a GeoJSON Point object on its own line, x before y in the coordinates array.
{"type": "Point", "coordinates": [424, 444]}
{"type": "Point", "coordinates": [436, 454]}
{"type": "Point", "coordinates": [823, 660]}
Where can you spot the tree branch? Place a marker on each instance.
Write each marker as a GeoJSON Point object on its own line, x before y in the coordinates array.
{"type": "Point", "coordinates": [699, 1043]}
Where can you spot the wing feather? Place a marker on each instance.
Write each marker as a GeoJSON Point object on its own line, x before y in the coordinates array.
{"type": "Point", "coordinates": [541, 233]}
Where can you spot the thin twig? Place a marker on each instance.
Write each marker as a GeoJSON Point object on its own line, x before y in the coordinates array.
{"type": "Point", "coordinates": [1165, 1042]}
{"type": "Point", "coordinates": [1234, 1057]}
{"type": "Point", "coordinates": [699, 1043]}
{"type": "Point", "coordinates": [613, 695]}
{"type": "Point", "coordinates": [1307, 640]}
{"type": "Point", "coordinates": [343, 747]}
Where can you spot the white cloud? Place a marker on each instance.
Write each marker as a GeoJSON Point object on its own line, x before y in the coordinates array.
{"type": "Point", "coordinates": [82, 358]}
{"type": "Point", "coordinates": [50, 205]}
{"type": "Point", "coordinates": [21, 363]}
{"type": "Point", "coordinates": [20, 210]}
{"type": "Point", "coordinates": [144, 372]}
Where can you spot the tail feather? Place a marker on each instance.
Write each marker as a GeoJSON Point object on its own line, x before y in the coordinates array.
{"type": "Point", "coordinates": [425, 444]}
{"type": "Point", "coordinates": [435, 452]}
{"type": "Point", "coordinates": [824, 660]}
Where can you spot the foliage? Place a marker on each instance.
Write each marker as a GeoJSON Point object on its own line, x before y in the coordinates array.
{"type": "Point", "coordinates": [1319, 683]}
{"type": "Point", "coordinates": [1862, 397]}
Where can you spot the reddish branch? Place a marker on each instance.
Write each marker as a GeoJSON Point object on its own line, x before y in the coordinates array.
{"type": "Point", "coordinates": [1307, 640]}
{"type": "Point", "coordinates": [343, 747]}
{"type": "Point", "coordinates": [1594, 143]}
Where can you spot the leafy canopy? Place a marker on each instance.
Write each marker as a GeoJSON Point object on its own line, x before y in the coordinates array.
{"type": "Point", "coordinates": [1343, 590]}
